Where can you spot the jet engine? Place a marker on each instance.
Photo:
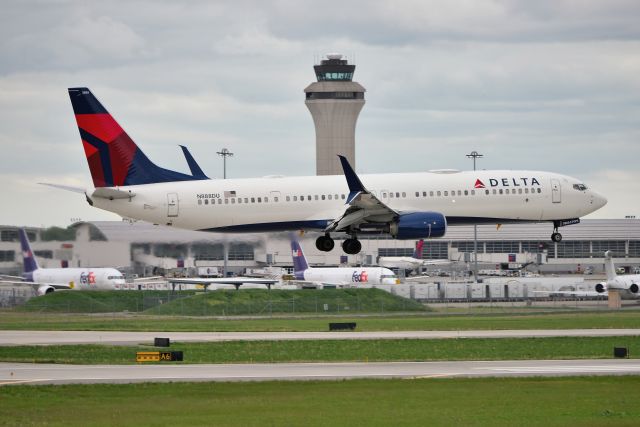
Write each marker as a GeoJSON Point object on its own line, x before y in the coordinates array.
{"type": "Point", "coordinates": [601, 287]}
{"type": "Point", "coordinates": [45, 289]}
{"type": "Point", "coordinates": [418, 225]}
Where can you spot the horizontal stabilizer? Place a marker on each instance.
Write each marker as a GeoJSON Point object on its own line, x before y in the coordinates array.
{"type": "Point", "coordinates": [112, 193]}
{"type": "Point", "coordinates": [65, 187]}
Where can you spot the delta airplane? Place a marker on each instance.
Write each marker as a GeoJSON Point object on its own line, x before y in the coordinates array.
{"type": "Point", "coordinates": [47, 280]}
{"type": "Point", "coordinates": [411, 263]}
{"type": "Point", "coordinates": [402, 205]}
{"type": "Point", "coordinates": [339, 276]}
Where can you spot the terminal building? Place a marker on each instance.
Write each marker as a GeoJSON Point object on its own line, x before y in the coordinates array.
{"type": "Point", "coordinates": [145, 249]}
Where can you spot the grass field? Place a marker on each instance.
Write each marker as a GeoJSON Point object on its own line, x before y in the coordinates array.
{"type": "Point", "coordinates": [224, 302]}
{"type": "Point", "coordinates": [338, 350]}
{"type": "Point", "coordinates": [10, 320]}
{"type": "Point", "coordinates": [574, 401]}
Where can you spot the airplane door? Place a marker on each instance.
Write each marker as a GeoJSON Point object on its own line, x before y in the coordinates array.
{"type": "Point", "coordinates": [172, 205]}
{"type": "Point", "coordinates": [556, 195]}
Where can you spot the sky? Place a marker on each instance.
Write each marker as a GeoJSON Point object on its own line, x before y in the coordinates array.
{"type": "Point", "coordinates": [544, 85]}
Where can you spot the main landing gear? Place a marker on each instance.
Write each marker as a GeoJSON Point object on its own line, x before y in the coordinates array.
{"type": "Point", "coordinates": [555, 236]}
{"type": "Point", "coordinates": [350, 246]}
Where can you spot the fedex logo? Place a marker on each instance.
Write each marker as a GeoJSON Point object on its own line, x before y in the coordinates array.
{"type": "Point", "coordinates": [88, 279]}
{"type": "Point", "coordinates": [507, 182]}
{"type": "Point", "coordinates": [296, 253]}
{"type": "Point", "coordinates": [27, 254]}
{"type": "Point", "coordinates": [360, 277]}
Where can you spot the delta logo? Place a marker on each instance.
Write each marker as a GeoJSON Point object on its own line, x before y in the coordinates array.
{"type": "Point", "coordinates": [508, 182]}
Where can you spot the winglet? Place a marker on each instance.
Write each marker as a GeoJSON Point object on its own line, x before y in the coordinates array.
{"type": "Point", "coordinates": [196, 171]}
{"type": "Point", "coordinates": [354, 183]}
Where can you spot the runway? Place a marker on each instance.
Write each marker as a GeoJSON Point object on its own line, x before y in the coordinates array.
{"type": "Point", "coordinates": [23, 373]}
{"type": "Point", "coordinates": [10, 338]}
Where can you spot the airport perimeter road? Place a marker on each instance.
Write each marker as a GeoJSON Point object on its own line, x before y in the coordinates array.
{"type": "Point", "coordinates": [8, 338]}
{"type": "Point", "coordinates": [24, 373]}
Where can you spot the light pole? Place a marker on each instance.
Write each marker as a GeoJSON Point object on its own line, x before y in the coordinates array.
{"type": "Point", "coordinates": [225, 153]}
{"type": "Point", "coordinates": [475, 155]}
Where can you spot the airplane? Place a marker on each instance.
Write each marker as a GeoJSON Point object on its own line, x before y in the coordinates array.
{"type": "Point", "coordinates": [47, 280]}
{"type": "Point", "coordinates": [402, 205]}
{"type": "Point", "coordinates": [411, 263]}
{"type": "Point", "coordinates": [338, 276]}
{"type": "Point", "coordinates": [219, 282]}
{"type": "Point", "coordinates": [628, 284]}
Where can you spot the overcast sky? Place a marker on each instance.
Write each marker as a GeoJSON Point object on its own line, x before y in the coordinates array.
{"type": "Point", "coordinates": [544, 85]}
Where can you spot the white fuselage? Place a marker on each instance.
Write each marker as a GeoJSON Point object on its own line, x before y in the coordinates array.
{"type": "Point", "coordinates": [351, 276]}
{"type": "Point", "coordinates": [402, 263]}
{"type": "Point", "coordinates": [271, 204]}
{"type": "Point", "coordinates": [80, 278]}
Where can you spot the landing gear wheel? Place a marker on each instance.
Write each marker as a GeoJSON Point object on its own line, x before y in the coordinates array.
{"type": "Point", "coordinates": [351, 246]}
{"type": "Point", "coordinates": [325, 243]}
{"type": "Point", "coordinates": [556, 237]}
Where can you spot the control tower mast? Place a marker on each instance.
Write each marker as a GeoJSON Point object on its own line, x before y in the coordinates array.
{"type": "Point", "coordinates": [335, 102]}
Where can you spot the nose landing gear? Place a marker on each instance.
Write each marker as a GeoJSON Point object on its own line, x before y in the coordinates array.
{"type": "Point", "coordinates": [555, 236]}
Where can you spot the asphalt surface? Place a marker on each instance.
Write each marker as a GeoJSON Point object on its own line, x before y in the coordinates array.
{"type": "Point", "coordinates": [9, 338]}
{"type": "Point", "coordinates": [23, 373]}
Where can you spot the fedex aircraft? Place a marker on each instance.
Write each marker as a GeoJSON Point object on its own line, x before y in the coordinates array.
{"type": "Point", "coordinates": [413, 262]}
{"type": "Point", "coordinates": [402, 205]}
{"type": "Point", "coordinates": [47, 280]}
{"type": "Point", "coordinates": [338, 275]}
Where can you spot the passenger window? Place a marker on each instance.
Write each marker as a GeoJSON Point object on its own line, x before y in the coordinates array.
{"type": "Point", "coordinates": [519, 190]}
{"type": "Point", "coordinates": [302, 198]}
{"type": "Point", "coordinates": [329, 196]}
{"type": "Point", "coordinates": [315, 197]}
{"type": "Point", "coordinates": [323, 197]}
{"type": "Point", "coordinates": [431, 193]}
{"type": "Point", "coordinates": [308, 197]}
{"type": "Point", "coordinates": [199, 201]}
{"type": "Point", "coordinates": [539, 190]}
{"type": "Point", "coordinates": [526, 191]}
{"type": "Point", "coordinates": [233, 200]}
{"type": "Point", "coordinates": [391, 195]}
{"type": "Point", "coordinates": [466, 192]}
{"type": "Point", "coordinates": [446, 193]}
{"type": "Point", "coordinates": [424, 194]}
{"type": "Point", "coordinates": [266, 200]}
{"type": "Point", "coordinates": [459, 193]}
{"type": "Point", "coordinates": [343, 197]}
{"type": "Point", "coordinates": [226, 201]}
{"type": "Point", "coordinates": [501, 191]}
{"type": "Point", "coordinates": [219, 201]}
{"type": "Point", "coordinates": [259, 199]}
{"type": "Point", "coordinates": [397, 194]}
{"type": "Point", "coordinates": [275, 199]}
{"type": "Point", "coordinates": [384, 195]}
{"type": "Point", "coordinates": [494, 192]}
{"type": "Point", "coordinates": [246, 200]}
{"type": "Point", "coordinates": [473, 192]}
{"type": "Point", "coordinates": [253, 200]}
{"type": "Point", "coordinates": [486, 192]}
{"type": "Point", "coordinates": [295, 198]}
{"type": "Point", "coordinates": [206, 201]}
{"type": "Point", "coordinates": [239, 199]}
{"type": "Point", "coordinates": [506, 191]}
{"type": "Point", "coordinates": [288, 198]}
{"type": "Point", "coordinates": [439, 193]}
{"type": "Point", "coordinates": [417, 194]}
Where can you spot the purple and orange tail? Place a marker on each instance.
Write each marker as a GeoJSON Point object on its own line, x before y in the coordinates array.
{"type": "Point", "coordinates": [114, 159]}
{"type": "Point", "coordinates": [29, 260]}
{"type": "Point", "coordinates": [417, 253]}
{"type": "Point", "coordinates": [299, 260]}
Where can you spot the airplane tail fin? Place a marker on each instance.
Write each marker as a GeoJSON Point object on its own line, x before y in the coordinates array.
{"type": "Point", "coordinates": [417, 253]}
{"type": "Point", "coordinates": [299, 260]}
{"type": "Point", "coordinates": [609, 267]}
{"type": "Point", "coordinates": [114, 159]}
{"type": "Point", "coordinates": [29, 260]}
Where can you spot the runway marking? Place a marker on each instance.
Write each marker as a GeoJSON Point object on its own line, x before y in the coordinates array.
{"type": "Point", "coordinates": [20, 381]}
{"type": "Point", "coordinates": [601, 368]}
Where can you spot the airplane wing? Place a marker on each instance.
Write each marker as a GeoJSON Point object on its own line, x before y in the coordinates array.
{"type": "Point", "coordinates": [222, 280]}
{"type": "Point", "coordinates": [363, 205]}
{"type": "Point", "coordinates": [34, 285]}
{"type": "Point", "coordinates": [436, 262]}
{"type": "Point", "coordinates": [574, 293]}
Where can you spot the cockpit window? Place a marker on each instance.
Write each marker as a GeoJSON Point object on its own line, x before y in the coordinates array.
{"type": "Point", "coordinates": [115, 277]}
{"type": "Point", "coordinates": [579, 187]}
{"type": "Point", "coordinates": [388, 276]}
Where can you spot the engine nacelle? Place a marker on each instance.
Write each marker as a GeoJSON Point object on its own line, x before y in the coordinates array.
{"type": "Point", "coordinates": [601, 287]}
{"type": "Point", "coordinates": [419, 225]}
{"type": "Point", "coordinates": [45, 289]}
{"type": "Point", "coordinates": [633, 288]}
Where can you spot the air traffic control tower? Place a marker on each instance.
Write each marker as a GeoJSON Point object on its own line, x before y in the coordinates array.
{"type": "Point", "coordinates": [334, 102]}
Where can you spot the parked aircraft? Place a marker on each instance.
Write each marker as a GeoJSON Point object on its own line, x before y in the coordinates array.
{"type": "Point", "coordinates": [628, 284]}
{"type": "Point", "coordinates": [338, 276]}
{"type": "Point", "coordinates": [402, 205]}
{"type": "Point", "coordinates": [47, 280]}
{"type": "Point", "coordinates": [411, 263]}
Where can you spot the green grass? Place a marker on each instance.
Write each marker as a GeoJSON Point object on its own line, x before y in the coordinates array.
{"type": "Point", "coordinates": [418, 321]}
{"type": "Point", "coordinates": [338, 350]}
{"type": "Point", "coordinates": [548, 402]}
{"type": "Point", "coordinates": [224, 303]}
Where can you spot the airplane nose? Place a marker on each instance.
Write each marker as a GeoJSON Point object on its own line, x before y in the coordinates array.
{"type": "Point", "coordinates": [598, 200]}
